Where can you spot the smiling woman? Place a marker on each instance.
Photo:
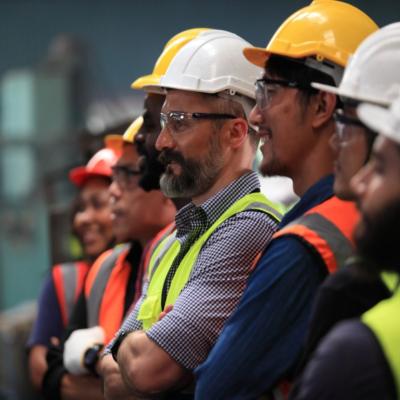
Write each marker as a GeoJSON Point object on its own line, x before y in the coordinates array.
{"type": "Point", "coordinates": [92, 225]}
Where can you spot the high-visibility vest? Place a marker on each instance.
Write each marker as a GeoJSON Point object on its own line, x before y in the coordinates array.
{"type": "Point", "coordinates": [68, 279]}
{"type": "Point", "coordinates": [105, 290]}
{"type": "Point", "coordinates": [155, 243]}
{"type": "Point", "coordinates": [384, 321]}
{"type": "Point", "coordinates": [163, 257]}
{"type": "Point", "coordinates": [327, 228]}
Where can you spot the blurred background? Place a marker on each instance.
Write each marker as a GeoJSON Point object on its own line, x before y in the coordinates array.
{"type": "Point", "coordinates": [65, 72]}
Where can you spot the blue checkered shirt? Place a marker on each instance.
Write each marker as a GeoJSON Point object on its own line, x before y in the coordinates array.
{"type": "Point", "coordinates": [218, 278]}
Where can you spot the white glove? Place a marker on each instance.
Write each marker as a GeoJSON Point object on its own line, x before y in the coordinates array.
{"type": "Point", "coordinates": [76, 346]}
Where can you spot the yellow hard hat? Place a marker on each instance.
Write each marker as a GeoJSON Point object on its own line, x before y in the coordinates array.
{"type": "Point", "coordinates": [326, 29]}
{"type": "Point", "coordinates": [163, 61]}
{"type": "Point", "coordinates": [133, 129]}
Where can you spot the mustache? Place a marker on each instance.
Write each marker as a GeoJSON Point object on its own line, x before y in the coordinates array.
{"type": "Point", "coordinates": [166, 156]}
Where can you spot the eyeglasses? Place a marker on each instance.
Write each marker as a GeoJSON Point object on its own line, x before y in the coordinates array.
{"type": "Point", "coordinates": [344, 135]}
{"type": "Point", "coordinates": [179, 121]}
{"type": "Point", "coordinates": [266, 89]}
{"type": "Point", "coordinates": [125, 177]}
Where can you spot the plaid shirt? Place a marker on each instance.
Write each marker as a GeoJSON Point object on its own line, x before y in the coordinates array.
{"type": "Point", "coordinates": [218, 278]}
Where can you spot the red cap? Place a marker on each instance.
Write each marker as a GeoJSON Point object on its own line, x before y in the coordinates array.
{"type": "Point", "coordinates": [100, 164]}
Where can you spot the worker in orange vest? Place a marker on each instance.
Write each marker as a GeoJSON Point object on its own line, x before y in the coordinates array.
{"type": "Point", "coordinates": [114, 282]}
{"type": "Point", "coordinates": [262, 340]}
{"type": "Point", "coordinates": [92, 225]}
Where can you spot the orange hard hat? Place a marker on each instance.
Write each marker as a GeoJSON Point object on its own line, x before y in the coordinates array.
{"type": "Point", "coordinates": [101, 162]}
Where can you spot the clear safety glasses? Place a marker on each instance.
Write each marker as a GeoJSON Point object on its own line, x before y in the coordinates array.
{"type": "Point", "coordinates": [266, 88]}
{"type": "Point", "coordinates": [342, 121]}
{"type": "Point", "coordinates": [179, 121]}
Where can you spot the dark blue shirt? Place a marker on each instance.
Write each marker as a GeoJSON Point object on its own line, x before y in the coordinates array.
{"type": "Point", "coordinates": [262, 339]}
{"type": "Point", "coordinates": [49, 321]}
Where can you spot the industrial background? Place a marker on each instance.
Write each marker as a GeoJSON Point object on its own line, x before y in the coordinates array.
{"type": "Point", "coordinates": [65, 72]}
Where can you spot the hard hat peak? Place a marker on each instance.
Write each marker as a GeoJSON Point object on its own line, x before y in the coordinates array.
{"type": "Point", "coordinates": [386, 121]}
{"type": "Point", "coordinates": [133, 129]}
{"type": "Point", "coordinates": [372, 74]}
{"type": "Point", "coordinates": [99, 165]}
{"type": "Point", "coordinates": [325, 29]}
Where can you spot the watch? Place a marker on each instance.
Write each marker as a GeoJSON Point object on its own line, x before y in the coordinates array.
{"type": "Point", "coordinates": [91, 356]}
{"type": "Point", "coordinates": [116, 345]}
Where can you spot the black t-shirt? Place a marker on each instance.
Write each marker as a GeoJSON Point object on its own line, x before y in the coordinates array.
{"type": "Point", "coordinates": [78, 320]}
{"type": "Point", "coordinates": [346, 294]}
{"type": "Point", "coordinates": [348, 365]}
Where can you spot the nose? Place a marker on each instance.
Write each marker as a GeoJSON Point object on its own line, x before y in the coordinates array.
{"type": "Point", "coordinates": [115, 190]}
{"type": "Point", "coordinates": [255, 116]}
{"type": "Point", "coordinates": [164, 140]}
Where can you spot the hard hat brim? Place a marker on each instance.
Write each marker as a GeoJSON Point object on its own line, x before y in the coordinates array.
{"type": "Point", "coordinates": [133, 129]}
{"type": "Point", "coordinates": [256, 55]}
{"type": "Point", "coordinates": [348, 94]}
{"type": "Point", "coordinates": [146, 80]}
{"type": "Point", "coordinates": [79, 176]}
{"type": "Point", "coordinates": [378, 119]}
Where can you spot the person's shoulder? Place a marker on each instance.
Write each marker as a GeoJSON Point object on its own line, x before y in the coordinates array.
{"type": "Point", "coordinates": [288, 248]}
{"type": "Point", "coordinates": [349, 336]}
{"type": "Point", "coordinates": [347, 364]}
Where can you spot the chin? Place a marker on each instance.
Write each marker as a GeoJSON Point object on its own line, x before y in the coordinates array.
{"type": "Point", "coordinates": [343, 192]}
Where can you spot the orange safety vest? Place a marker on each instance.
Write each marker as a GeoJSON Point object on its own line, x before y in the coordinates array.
{"type": "Point", "coordinates": [328, 229]}
{"type": "Point", "coordinates": [69, 279]}
{"type": "Point", "coordinates": [105, 290]}
{"type": "Point", "coordinates": [105, 287]}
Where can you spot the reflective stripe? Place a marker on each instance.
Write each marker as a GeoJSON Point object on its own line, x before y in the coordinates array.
{"type": "Point", "coordinates": [340, 246]}
{"type": "Point", "coordinates": [155, 244]}
{"type": "Point", "coordinates": [273, 212]}
{"type": "Point", "coordinates": [98, 287]}
{"type": "Point", "coordinates": [68, 281]}
{"type": "Point", "coordinates": [327, 228]}
{"type": "Point", "coordinates": [160, 252]}
{"type": "Point", "coordinates": [163, 260]}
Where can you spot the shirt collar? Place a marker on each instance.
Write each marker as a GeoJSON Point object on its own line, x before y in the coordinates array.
{"type": "Point", "coordinates": [316, 194]}
{"type": "Point", "coordinates": [215, 206]}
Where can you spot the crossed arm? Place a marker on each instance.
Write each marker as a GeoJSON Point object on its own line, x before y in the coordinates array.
{"type": "Point", "coordinates": [144, 370]}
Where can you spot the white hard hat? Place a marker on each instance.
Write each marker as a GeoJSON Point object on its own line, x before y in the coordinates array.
{"type": "Point", "coordinates": [386, 121]}
{"type": "Point", "coordinates": [213, 63]}
{"type": "Point", "coordinates": [373, 71]}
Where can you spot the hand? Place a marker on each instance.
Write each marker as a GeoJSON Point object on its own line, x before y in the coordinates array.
{"type": "Point", "coordinates": [76, 346]}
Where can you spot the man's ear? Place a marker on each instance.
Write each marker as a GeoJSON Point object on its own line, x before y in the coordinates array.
{"type": "Point", "coordinates": [324, 107]}
{"type": "Point", "coordinates": [237, 132]}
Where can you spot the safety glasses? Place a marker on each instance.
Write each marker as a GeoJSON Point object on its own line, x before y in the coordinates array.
{"type": "Point", "coordinates": [266, 88]}
{"type": "Point", "coordinates": [342, 121]}
{"type": "Point", "coordinates": [125, 177]}
{"type": "Point", "coordinates": [178, 121]}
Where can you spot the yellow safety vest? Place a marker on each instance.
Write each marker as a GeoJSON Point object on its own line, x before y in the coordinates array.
{"type": "Point", "coordinates": [384, 321]}
{"type": "Point", "coordinates": [162, 259]}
